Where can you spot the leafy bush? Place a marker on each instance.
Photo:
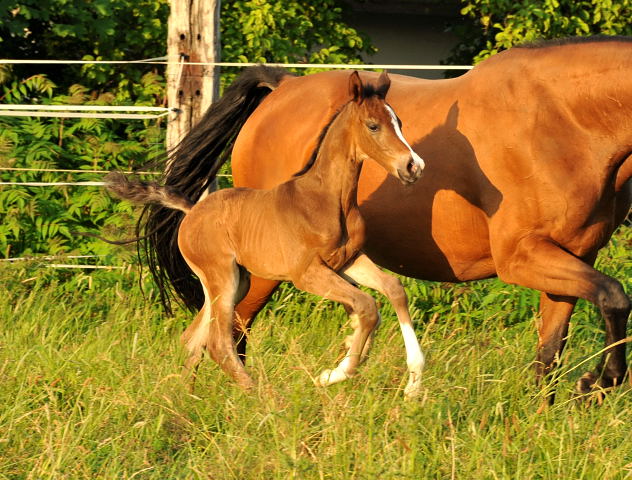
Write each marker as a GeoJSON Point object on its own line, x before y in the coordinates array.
{"type": "Point", "coordinates": [39, 220]}
{"type": "Point", "coordinates": [496, 25]}
{"type": "Point", "coordinates": [289, 31]}
{"type": "Point", "coordinates": [251, 31]}
{"type": "Point", "coordinates": [89, 30]}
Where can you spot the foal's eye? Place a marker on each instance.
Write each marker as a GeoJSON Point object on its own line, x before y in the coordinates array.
{"type": "Point", "coordinates": [374, 127]}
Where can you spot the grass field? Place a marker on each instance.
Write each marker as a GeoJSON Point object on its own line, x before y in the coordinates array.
{"type": "Point", "coordinates": [90, 388]}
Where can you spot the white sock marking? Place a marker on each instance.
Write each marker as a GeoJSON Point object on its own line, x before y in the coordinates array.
{"type": "Point", "coordinates": [414, 356]}
{"type": "Point", "coordinates": [199, 338]}
{"type": "Point", "coordinates": [415, 360]}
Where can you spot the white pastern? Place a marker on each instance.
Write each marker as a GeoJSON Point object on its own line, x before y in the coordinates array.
{"type": "Point", "coordinates": [338, 374]}
{"type": "Point", "coordinates": [329, 377]}
{"type": "Point", "coordinates": [199, 338]}
{"type": "Point", "coordinates": [415, 360]}
{"type": "Point", "coordinates": [341, 372]}
{"type": "Point", "coordinates": [416, 158]}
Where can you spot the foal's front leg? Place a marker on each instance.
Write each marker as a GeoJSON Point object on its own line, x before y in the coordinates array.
{"type": "Point", "coordinates": [321, 280]}
{"type": "Point", "coordinates": [363, 271]}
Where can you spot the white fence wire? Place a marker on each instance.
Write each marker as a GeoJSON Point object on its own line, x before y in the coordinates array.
{"type": "Point", "coordinates": [77, 111]}
{"type": "Point", "coordinates": [163, 61]}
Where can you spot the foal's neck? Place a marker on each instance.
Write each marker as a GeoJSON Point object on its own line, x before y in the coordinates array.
{"type": "Point", "coordinates": [337, 166]}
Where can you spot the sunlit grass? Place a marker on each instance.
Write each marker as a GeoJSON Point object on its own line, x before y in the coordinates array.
{"type": "Point", "coordinates": [90, 380]}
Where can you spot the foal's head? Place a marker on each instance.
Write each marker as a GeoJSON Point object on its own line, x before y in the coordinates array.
{"type": "Point", "coordinates": [377, 131]}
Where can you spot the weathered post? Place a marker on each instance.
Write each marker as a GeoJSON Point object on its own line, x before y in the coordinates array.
{"type": "Point", "coordinates": [193, 36]}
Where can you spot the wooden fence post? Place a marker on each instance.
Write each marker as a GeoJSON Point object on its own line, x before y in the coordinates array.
{"type": "Point", "coordinates": [193, 36]}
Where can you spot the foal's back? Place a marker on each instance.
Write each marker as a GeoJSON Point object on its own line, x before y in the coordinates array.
{"type": "Point", "coordinates": [272, 233]}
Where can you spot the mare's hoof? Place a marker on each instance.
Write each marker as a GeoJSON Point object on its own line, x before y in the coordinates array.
{"type": "Point", "coordinates": [586, 383]}
{"type": "Point", "coordinates": [592, 388]}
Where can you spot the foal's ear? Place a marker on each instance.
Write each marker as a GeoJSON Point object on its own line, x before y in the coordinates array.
{"type": "Point", "coordinates": [383, 84]}
{"type": "Point", "coordinates": [356, 89]}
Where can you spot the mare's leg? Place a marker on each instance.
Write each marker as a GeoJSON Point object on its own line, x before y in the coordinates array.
{"type": "Point", "coordinates": [555, 313]}
{"type": "Point", "coordinates": [321, 280]}
{"type": "Point", "coordinates": [363, 271]}
{"type": "Point", "coordinates": [537, 262]}
{"type": "Point", "coordinates": [213, 327]}
{"type": "Point", "coordinates": [247, 309]}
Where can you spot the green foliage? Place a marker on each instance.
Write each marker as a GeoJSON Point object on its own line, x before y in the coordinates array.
{"type": "Point", "coordinates": [90, 30]}
{"type": "Point", "coordinates": [496, 25]}
{"type": "Point", "coordinates": [289, 31]}
{"type": "Point", "coordinates": [251, 31]}
{"type": "Point", "coordinates": [38, 220]}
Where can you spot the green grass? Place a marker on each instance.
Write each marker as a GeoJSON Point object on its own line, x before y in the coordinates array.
{"type": "Point", "coordinates": [90, 388]}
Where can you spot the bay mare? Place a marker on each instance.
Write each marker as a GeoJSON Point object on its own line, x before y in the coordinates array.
{"type": "Point", "coordinates": [308, 230]}
{"type": "Point", "coordinates": [529, 174]}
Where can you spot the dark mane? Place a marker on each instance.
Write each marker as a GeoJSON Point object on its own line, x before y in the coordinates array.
{"type": "Point", "coordinates": [368, 92]}
{"type": "Point", "coordinates": [556, 42]}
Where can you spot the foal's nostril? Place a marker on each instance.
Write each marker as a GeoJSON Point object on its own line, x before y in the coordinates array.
{"type": "Point", "coordinates": [412, 167]}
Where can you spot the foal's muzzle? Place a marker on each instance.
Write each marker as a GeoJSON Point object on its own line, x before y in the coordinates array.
{"type": "Point", "coordinates": [412, 170]}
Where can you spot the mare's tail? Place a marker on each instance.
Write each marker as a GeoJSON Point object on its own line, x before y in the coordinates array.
{"type": "Point", "coordinates": [147, 193]}
{"type": "Point", "coordinates": [191, 170]}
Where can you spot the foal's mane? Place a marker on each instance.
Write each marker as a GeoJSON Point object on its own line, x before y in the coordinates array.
{"type": "Point", "coordinates": [556, 42]}
{"type": "Point", "coordinates": [368, 91]}
{"type": "Point", "coordinates": [321, 137]}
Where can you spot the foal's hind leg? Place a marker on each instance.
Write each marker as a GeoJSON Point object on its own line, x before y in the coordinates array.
{"type": "Point", "coordinates": [213, 327]}
{"type": "Point", "coordinates": [221, 345]}
{"type": "Point", "coordinates": [363, 271]}
{"type": "Point", "coordinates": [194, 340]}
{"type": "Point", "coordinates": [322, 281]}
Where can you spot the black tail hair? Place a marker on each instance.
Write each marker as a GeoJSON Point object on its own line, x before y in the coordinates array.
{"type": "Point", "coordinates": [191, 168]}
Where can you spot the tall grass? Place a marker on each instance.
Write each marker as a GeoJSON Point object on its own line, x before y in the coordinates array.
{"type": "Point", "coordinates": [90, 388]}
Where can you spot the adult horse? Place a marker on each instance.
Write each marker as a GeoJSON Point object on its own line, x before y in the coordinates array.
{"type": "Point", "coordinates": [528, 174]}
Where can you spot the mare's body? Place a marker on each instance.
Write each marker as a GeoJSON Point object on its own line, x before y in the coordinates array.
{"type": "Point", "coordinates": [529, 173]}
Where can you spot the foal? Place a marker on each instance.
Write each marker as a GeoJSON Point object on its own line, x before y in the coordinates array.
{"type": "Point", "coordinates": [308, 231]}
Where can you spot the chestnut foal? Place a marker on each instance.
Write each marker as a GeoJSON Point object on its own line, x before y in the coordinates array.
{"type": "Point", "coordinates": [308, 231]}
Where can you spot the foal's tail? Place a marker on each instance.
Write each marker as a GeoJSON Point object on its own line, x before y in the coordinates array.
{"type": "Point", "coordinates": [191, 169]}
{"type": "Point", "coordinates": [147, 193]}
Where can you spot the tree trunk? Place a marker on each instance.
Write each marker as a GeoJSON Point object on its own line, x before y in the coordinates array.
{"type": "Point", "coordinates": [193, 36]}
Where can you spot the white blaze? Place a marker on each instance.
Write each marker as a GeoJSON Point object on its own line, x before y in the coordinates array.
{"type": "Point", "coordinates": [416, 158]}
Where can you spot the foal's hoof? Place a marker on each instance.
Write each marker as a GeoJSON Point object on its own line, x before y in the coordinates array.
{"type": "Point", "coordinates": [248, 385]}
{"type": "Point", "coordinates": [329, 377]}
{"type": "Point", "coordinates": [412, 390]}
